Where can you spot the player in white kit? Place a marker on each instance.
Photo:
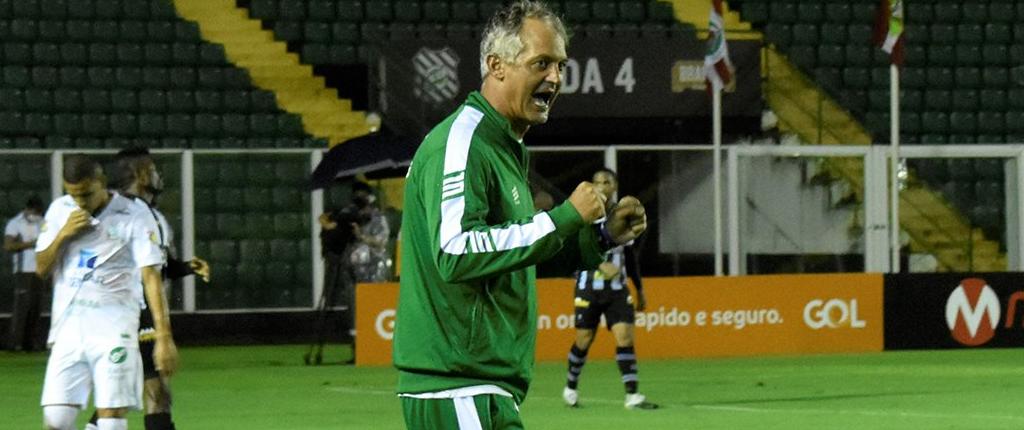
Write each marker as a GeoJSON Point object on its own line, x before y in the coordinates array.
{"type": "Point", "coordinates": [97, 245]}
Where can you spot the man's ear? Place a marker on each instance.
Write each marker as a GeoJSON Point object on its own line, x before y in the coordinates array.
{"type": "Point", "coordinates": [496, 67]}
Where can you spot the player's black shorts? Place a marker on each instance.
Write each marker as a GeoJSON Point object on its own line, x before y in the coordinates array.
{"type": "Point", "coordinates": [616, 306]}
{"type": "Point", "coordinates": [146, 332]}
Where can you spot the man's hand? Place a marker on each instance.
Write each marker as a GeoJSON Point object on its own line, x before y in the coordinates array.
{"type": "Point", "coordinates": [200, 267]}
{"type": "Point", "coordinates": [78, 222]}
{"type": "Point", "coordinates": [326, 223]}
{"type": "Point", "coordinates": [628, 220]}
{"type": "Point", "coordinates": [608, 270]}
{"type": "Point", "coordinates": [588, 202]}
{"type": "Point", "coordinates": [641, 301]}
{"type": "Point", "coordinates": [165, 355]}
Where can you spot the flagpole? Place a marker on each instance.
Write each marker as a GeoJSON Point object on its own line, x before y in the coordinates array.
{"type": "Point", "coordinates": [894, 161]}
{"type": "Point", "coordinates": [716, 125]}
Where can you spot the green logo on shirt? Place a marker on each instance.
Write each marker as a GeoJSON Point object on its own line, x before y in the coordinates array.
{"type": "Point", "coordinates": [118, 355]}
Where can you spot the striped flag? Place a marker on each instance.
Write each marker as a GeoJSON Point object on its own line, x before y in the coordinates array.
{"type": "Point", "coordinates": [889, 29]}
{"type": "Point", "coordinates": [717, 68]}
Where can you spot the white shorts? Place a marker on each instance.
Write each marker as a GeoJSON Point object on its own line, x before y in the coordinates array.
{"type": "Point", "coordinates": [95, 349]}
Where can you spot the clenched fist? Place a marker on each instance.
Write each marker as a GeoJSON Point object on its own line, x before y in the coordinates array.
{"type": "Point", "coordinates": [627, 221]}
{"type": "Point", "coordinates": [588, 202]}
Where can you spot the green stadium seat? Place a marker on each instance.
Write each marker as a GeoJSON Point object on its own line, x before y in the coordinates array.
{"type": "Point", "coordinates": [259, 142]}
{"type": "Point", "coordinates": [186, 31]}
{"type": "Point", "coordinates": [102, 54]}
{"type": "Point", "coordinates": [964, 122]}
{"type": "Point", "coordinates": [26, 143]}
{"type": "Point", "coordinates": [1016, 54]}
{"type": "Point", "coordinates": [343, 54]}
{"type": "Point", "coordinates": [17, 53]}
{"type": "Point", "coordinates": [933, 139]}
{"type": "Point", "coordinates": [293, 173]}
{"type": "Point", "coordinates": [947, 12]}
{"type": "Point", "coordinates": [155, 77]}
{"type": "Point", "coordinates": [292, 10]}
{"type": "Point", "coordinates": [73, 54]}
{"type": "Point", "coordinates": [663, 12]}
{"type": "Point", "coordinates": [291, 224]}
{"type": "Point", "coordinates": [373, 31]}
{"type": "Point", "coordinates": [68, 124]}
{"type": "Point", "coordinates": [73, 77]}
{"type": "Point", "coordinates": [181, 101]}
{"type": "Point", "coordinates": [806, 34]}
{"type": "Point", "coordinates": [279, 275]}
{"type": "Point", "coordinates": [16, 76]}
{"type": "Point", "coordinates": [95, 125]}
{"type": "Point", "coordinates": [857, 77]}
{"type": "Point", "coordinates": [12, 122]}
{"type": "Point", "coordinates": [223, 251]}
{"type": "Point", "coordinates": [321, 10]}
{"type": "Point", "coordinates": [52, 31]}
{"type": "Point", "coordinates": [234, 124]}
{"type": "Point", "coordinates": [913, 54]}
{"type": "Point", "coordinates": [597, 31]}
{"type": "Point", "coordinates": [993, 99]}
{"type": "Point", "coordinates": [835, 34]}
{"type": "Point", "coordinates": [209, 100]}
{"type": "Point", "coordinates": [232, 173]}
{"type": "Point", "coordinates": [130, 53]}
{"type": "Point", "coordinates": [935, 122]}
{"type": "Point", "coordinates": [236, 101]}
{"type": "Point", "coordinates": [229, 199]}
{"type": "Point", "coordinates": [262, 101]}
{"type": "Point", "coordinates": [605, 11]}
{"type": "Point", "coordinates": [995, 77]}
{"type": "Point", "coordinates": [286, 198]}
{"type": "Point", "coordinates": [755, 12]}
{"type": "Point", "coordinates": [576, 12]}
{"type": "Point", "coordinates": [95, 100]}
{"type": "Point", "coordinates": [942, 55]}
{"type": "Point", "coordinates": [319, 32]}
{"type": "Point", "coordinates": [212, 54]}
{"type": "Point", "coordinates": [940, 77]}
{"type": "Point", "coordinates": [967, 77]}
{"type": "Point", "coordinates": [152, 125]}
{"type": "Point", "coordinates": [910, 122]}
{"type": "Point", "coordinates": [12, 99]}
{"type": "Point", "coordinates": [965, 99]}
{"type": "Point", "coordinates": [1015, 121]}
{"type": "Point", "coordinates": [182, 78]}
{"type": "Point", "coordinates": [254, 251]}
{"type": "Point", "coordinates": [783, 12]}
{"type": "Point", "coordinates": [45, 77]}
{"type": "Point", "coordinates": [435, 11]}
{"type": "Point", "coordinates": [812, 12]}
{"type": "Point", "coordinates": [152, 100]}
{"type": "Point", "coordinates": [921, 13]}
{"type": "Point", "coordinates": [38, 123]}
{"type": "Point", "coordinates": [157, 54]}
{"type": "Point", "coordinates": [211, 77]}
{"type": "Point", "coordinates": [344, 32]}
{"type": "Point", "coordinates": [942, 33]}
{"type": "Point", "coordinates": [283, 250]}
{"type": "Point", "coordinates": [289, 125]}
{"type": "Point", "coordinates": [974, 12]}
{"type": "Point", "coordinates": [916, 34]}
{"type": "Point", "coordinates": [128, 77]}
{"type": "Point", "coordinates": [79, 31]}
{"type": "Point", "coordinates": [837, 12]}
{"type": "Point", "coordinates": [831, 55]}
{"type": "Point", "coordinates": [124, 100]}
{"type": "Point", "coordinates": [38, 99]}
{"type": "Point", "coordinates": [854, 100]}
{"type": "Point", "coordinates": [24, 30]}
{"type": "Point", "coordinates": [968, 55]}
{"type": "Point", "coordinates": [350, 10]}
{"type": "Point", "coordinates": [407, 11]}
{"type": "Point", "coordinates": [46, 54]}
{"type": "Point", "coordinates": [859, 33]}
{"type": "Point", "coordinates": [995, 55]}
{"type": "Point", "coordinates": [829, 78]}
{"type": "Point", "coordinates": [315, 53]}
{"type": "Point", "coordinates": [402, 31]}
{"type": "Point", "coordinates": [124, 124]}
{"type": "Point", "coordinates": [463, 11]}
{"type": "Point", "coordinates": [631, 11]}
{"type": "Point", "coordinates": [1002, 11]}
{"type": "Point", "coordinates": [991, 122]}
{"type": "Point", "coordinates": [877, 123]}
{"type": "Point", "coordinates": [134, 31]}
{"type": "Point", "coordinates": [263, 9]}
{"type": "Point", "coordinates": [910, 99]}
{"type": "Point", "coordinates": [997, 32]}
{"type": "Point", "coordinates": [263, 124]}
{"type": "Point", "coordinates": [970, 33]}
{"type": "Point", "coordinates": [379, 10]}
{"type": "Point", "coordinates": [288, 31]}
{"type": "Point", "coordinates": [803, 56]}
{"type": "Point", "coordinates": [779, 34]}
{"type": "Point", "coordinates": [208, 125]}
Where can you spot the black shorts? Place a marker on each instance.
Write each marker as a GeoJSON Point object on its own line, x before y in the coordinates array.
{"type": "Point", "coordinates": [146, 331]}
{"type": "Point", "coordinates": [616, 306]}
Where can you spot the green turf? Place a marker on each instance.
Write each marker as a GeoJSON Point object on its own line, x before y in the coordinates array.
{"type": "Point", "coordinates": [267, 387]}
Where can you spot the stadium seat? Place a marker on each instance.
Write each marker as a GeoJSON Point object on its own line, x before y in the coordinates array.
{"type": "Point", "coordinates": [965, 99]}
{"type": "Point", "coordinates": [806, 34]}
{"type": "Point", "coordinates": [1015, 121]}
{"type": "Point", "coordinates": [124, 124]}
{"type": "Point", "coordinates": [322, 10]}
{"type": "Point", "coordinates": [942, 55]}
{"type": "Point", "coordinates": [124, 100]}
{"type": "Point", "coordinates": [180, 125]}
{"type": "Point", "coordinates": [991, 122]}
{"type": "Point", "coordinates": [234, 124]}
{"type": "Point", "coordinates": [856, 77]}
{"type": "Point", "coordinates": [38, 123]}
{"type": "Point", "coordinates": [663, 12]}
{"type": "Point", "coordinates": [152, 100]}
{"type": "Point", "coordinates": [230, 225]}
{"type": "Point", "coordinates": [12, 122]}
{"type": "Point", "coordinates": [831, 55]}
{"type": "Point", "coordinates": [127, 77]}
{"type": "Point", "coordinates": [995, 77]}
{"type": "Point", "coordinates": [995, 55]}
{"type": "Point", "coordinates": [12, 99]}
{"type": "Point", "coordinates": [95, 125]}
{"type": "Point", "coordinates": [783, 12]}
{"type": "Point", "coordinates": [964, 122]}
{"type": "Point", "coordinates": [24, 30]}
{"type": "Point", "coordinates": [947, 12]}
{"type": "Point", "coordinates": [755, 12]}
{"type": "Point", "coordinates": [835, 34]}
{"type": "Point", "coordinates": [211, 77]}
{"type": "Point", "coordinates": [38, 99]}
{"type": "Point", "coordinates": [968, 55]}
{"type": "Point", "coordinates": [290, 224]}
{"type": "Point", "coordinates": [280, 274]}
{"type": "Point", "coordinates": [942, 34]}
{"type": "Point", "coordinates": [379, 10]}
{"type": "Point", "coordinates": [95, 100]}
{"type": "Point", "coordinates": [813, 12]}
{"type": "Point", "coordinates": [940, 77]}
{"type": "Point", "coordinates": [967, 77]}
{"type": "Point", "coordinates": [283, 250]}
{"type": "Point", "coordinates": [263, 9]}
{"type": "Point", "coordinates": [254, 251]}
{"type": "Point", "coordinates": [970, 33]}
{"type": "Point", "coordinates": [803, 56]}
{"type": "Point", "coordinates": [993, 99]}
{"type": "Point", "coordinates": [350, 10]}
{"type": "Point", "coordinates": [318, 32]}
{"type": "Point", "coordinates": [223, 251]}
{"type": "Point", "coordinates": [576, 12]}
{"type": "Point", "coordinates": [604, 11]}
{"type": "Point", "coordinates": [935, 122]}
{"type": "Point", "coordinates": [182, 78]}
{"type": "Point", "coordinates": [779, 34]}
{"type": "Point", "coordinates": [975, 12]}
{"type": "Point", "coordinates": [287, 199]}
{"type": "Point", "coordinates": [464, 11]}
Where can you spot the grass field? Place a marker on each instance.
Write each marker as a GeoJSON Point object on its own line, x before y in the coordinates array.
{"type": "Point", "coordinates": [268, 387]}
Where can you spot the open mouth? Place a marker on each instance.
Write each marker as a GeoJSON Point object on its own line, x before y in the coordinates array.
{"type": "Point", "coordinates": [542, 99]}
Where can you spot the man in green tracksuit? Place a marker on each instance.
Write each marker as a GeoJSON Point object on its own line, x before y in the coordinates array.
{"type": "Point", "coordinates": [466, 324]}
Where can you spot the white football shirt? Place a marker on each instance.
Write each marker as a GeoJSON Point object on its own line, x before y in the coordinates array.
{"type": "Point", "coordinates": [24, 229]}
{"type": "Point", "coordinates": [100, 267]}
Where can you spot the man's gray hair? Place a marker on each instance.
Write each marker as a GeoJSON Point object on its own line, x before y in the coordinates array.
{"type": "Point", "coordinates": [501, 37]}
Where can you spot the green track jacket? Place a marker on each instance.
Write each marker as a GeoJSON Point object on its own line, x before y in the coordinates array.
{"type": "Point", "coordinates": [467, 307]}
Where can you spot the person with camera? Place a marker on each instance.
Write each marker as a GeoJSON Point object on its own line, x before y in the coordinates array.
{"type": "Point", "coordinates": [354, 240]}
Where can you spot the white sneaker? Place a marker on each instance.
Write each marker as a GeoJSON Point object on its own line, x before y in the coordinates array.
{"type": "Point", "coordinates": [570, 396]}
{"type": "Point", "coordinates": [639, 401]}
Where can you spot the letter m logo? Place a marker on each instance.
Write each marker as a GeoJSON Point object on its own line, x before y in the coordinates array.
{"type": "Point", "coordinates": [972, 312]}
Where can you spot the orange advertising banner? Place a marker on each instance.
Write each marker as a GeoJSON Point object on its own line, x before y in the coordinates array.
{"type": "Point", "coordinates": [688, 317]}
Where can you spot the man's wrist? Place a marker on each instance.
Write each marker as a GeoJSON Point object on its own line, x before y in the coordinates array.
{"type": "Point", "coordinates": [604, 237]}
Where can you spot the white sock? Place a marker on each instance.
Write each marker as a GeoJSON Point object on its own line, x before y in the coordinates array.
{"type": "Point", "coordinates": [59, 417]}
{"type": "Point", "coordinates": [91, 426]}
{"type": "Point", "coordinates": [112, 424]}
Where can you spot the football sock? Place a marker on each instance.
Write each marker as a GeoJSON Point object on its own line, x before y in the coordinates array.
{"type": "Point", "coordinates": [160, 421]}
{"type": "Point", "coordinates": [577, 358]}
{"type": "Point", "coordinates": [112, 423]}
{"type": "Point", "coordinates": [626, 358]}
{"type": "Point", "coordinates": [60, 417]}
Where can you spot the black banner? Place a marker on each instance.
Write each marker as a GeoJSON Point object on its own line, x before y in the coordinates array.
{"type": "Point", "coordinates": [967, 310]}
{"type": "Point", "coordinates": [423, 81]}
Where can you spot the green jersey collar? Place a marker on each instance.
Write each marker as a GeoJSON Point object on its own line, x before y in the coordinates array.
{"type": "Point", "coordinates": [478, 101]}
